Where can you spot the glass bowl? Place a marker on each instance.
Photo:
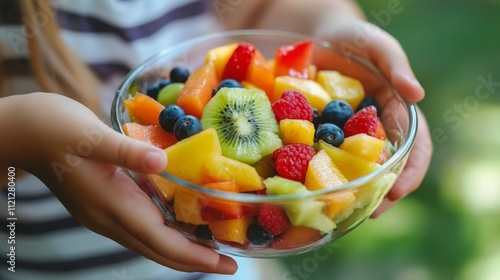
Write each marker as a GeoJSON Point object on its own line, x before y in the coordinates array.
{"type": "Point", "coordinates": [183, 203]}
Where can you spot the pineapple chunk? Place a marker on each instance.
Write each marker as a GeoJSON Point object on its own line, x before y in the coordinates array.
{"type": "Point", "coordinates": [297, 131]}
{"type": "Point", "coordinates": [363, 146]}
{"type": "Point", "coordinates": [314, 92]}
{"type": "Point", "coordinates": [341, 87]}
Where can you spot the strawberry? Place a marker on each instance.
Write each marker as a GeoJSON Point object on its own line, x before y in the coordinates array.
{"type": "Point", "coordinates": [273, 219]}
{"type": "Point", "coordinates": [237, 65]}
{"type": "Point", "coordinates": [363, 121]}
{"type": "Point", "coordinates": [294, 60]}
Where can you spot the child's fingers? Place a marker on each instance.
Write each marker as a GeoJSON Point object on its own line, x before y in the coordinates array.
{"type": "Point", "coordinates": [388, 55]}
{"type": "Point", "coordinates": [126, 152]}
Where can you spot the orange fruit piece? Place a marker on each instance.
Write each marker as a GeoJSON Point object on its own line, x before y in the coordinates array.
{"type": "Point", "coordinates": [234, 230]}
{"type": "Point", "coordinates": [260, 74]}
{"type": "Point", "coordinates": [151, 134]}
{"type": "Point", "coordinates": [197, 90]}
{"type": "Point", "coordinates": [144, 109]}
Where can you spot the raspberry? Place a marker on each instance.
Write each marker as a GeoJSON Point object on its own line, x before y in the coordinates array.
{"type": "Point", "coordinates": [364, 121]}
{"type": "Point", "coordinates": [273, 219]}
{"type": "Point", "coordinates": [291, 161]}
{"type": "Point", "coordinates": [292, 105]}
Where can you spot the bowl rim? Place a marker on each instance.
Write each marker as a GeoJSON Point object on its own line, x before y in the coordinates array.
{"type": "Point", "coordinates": [401, 153]}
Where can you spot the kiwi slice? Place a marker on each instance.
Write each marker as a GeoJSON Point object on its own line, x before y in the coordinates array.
{"type": "Point", "coordinates": [244, 122]}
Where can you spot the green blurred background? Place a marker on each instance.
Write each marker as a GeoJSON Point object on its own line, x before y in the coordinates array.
{"type": "Point", "coordinates": [450, 227]}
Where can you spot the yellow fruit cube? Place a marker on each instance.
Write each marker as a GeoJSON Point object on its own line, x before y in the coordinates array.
{"type": "Point", "coordinates": [187, 157]}
{"type": "Point", "coordinates": [351, 166]}
{"type": "Point", "coordinates": [219, 56]}
{"type": "Point", "coordinates": [163, 186]}
{"type": "Point", "coordinates": [219, 168]}
{"type": "Point", "coordinates": [337, 202]}
{"type": "Point", "coordinates": [187, 207]}
{"type": "Point", "coordinates": [314, 92]}
{"type": "Point", "coordinates": [341, 87]}
{"type": "Point", "coordinates": [297, 131]}
{"type": "Point", "coordinates": [322, 173]}
{"type": "Point", "coordinates": [234, 230]}
{"type": "Point", "coordinates": [363, 146]}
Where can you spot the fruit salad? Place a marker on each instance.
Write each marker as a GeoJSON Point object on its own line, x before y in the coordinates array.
{"type": "Point", "coordinates": [244, 123]}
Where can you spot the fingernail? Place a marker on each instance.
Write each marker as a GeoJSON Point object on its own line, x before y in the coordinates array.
{"type": "Point", "coordinates": [154, 161]}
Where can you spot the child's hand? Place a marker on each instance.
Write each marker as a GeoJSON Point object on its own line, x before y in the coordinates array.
{"type": "Point", "coordinates": [366, 40]}
{"type": "Point", "coordinates": [78, 158]}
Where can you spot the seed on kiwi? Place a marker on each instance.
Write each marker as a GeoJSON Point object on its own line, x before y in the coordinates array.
{"type": "Point", "coordinates": [244, 122]}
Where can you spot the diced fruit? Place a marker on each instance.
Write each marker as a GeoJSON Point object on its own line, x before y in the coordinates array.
{"type": "Point", "coordinates": [169, 115]}
{"type": "Point", "coordinates": [234, 230]}
{"type": "Point", "coordinates": [380, 133]}
{"type": "Point", "coordinates": [163, 186]}
{"type": "Point", "coordinates": [309, 213]}
{"type": "Point", "coordinates": [197, 90]}
{"type": "Point", "coordinates": [295, 237]}
{"type": "Point", "coordinates": [273, 219]}
{"type": "Point", "coordinates": [186, 126]}
{"type": "Point", "coordinates": [258, 235]}
{"type": "Point", "coordinates": [290, 161]}
{"type": "Point", "coordinates": [337, 202]}
{"type": "Point", "coordinates": [168, 95]}
{"type": "Point", "coordinates": [229, 83]}
{"type": "Point", "coordinates": [239, 62]}
{"type": "Point", "coordinates": [352, 167]}
{"type": "Point", "coordinates": [203, 232]}
{"type": "Point", "coordinates": [280, 186]}
{"type": "Point", "coordinates": [297, 131]}
{"type": "Point", "coordinates": [264, 167]}
{"type": "Point", "coordinates": [191, 154]}
{"type": "Point", "coordinates": [187, 207]}
{"type": "Point", "coordinates": [221, 209]}
{"type": "Point", "coordinates": [244, 123]}
{"type": "Point", "coordinates": [143, 109]}
{"type": "Point", "coordinates": [314, 92]}
{"type": "Point", "coordinates": [150, 134]}
{"type": "Point", "coordinates": [337, 112]}
{"type": "Point", "coordinates": [294, 60]}
{"type": "Point", "coordinates": [386, 153]}
{"type": "Point", "coordinates": [330, 133]}
{"type": "Point", "coordinates": [179, 75]}
{"type": "Point", "coordinates": [363, 121]}
{"type": "Point", "coordinates": [363, 146]}
{"type": "Point", "coordinates": [322, 173]}
{"type": "Point", "coordinates": [342, 87]}
{"type": "Point", "coordinates": [260, 74]}
{"type": "Point", "coordinates": [292, 105]}
{"type": "Point", "coordinates": [219, 168]}
{"type": "Point", "coordinates": [219, 56]}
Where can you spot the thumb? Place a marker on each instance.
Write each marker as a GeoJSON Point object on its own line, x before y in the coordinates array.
{"type": "Point", "coordinates": [124, 151]}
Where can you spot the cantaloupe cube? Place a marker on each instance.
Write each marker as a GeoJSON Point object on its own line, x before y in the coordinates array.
{"type": "Point", "coordinates": [297, 131]}
{"type": "Point", "coordinates": [351, 166]}
{"type": "Point", "coordinates": [314, 92]}
{"type": "Point", "coordinates": [322, 173]}
{"type": "Point", "coordinates": [364, 146]}
{"type": "Point", "coordinates": [341, 87]}
{"type": "Point", "coordinates": [186, 158]}
{"type": "Point", "coordinates": [234, 230]}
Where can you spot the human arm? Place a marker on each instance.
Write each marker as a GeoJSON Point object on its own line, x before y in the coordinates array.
{"type": "Point", "coordinates": [77, 156]}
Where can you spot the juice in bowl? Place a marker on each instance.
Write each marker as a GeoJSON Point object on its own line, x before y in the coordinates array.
{"type": "Point", "coordinates": [277, 143]}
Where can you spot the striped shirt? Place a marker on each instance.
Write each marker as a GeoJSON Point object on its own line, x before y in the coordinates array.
{"type": "Point", "coordinates": [112, 37]}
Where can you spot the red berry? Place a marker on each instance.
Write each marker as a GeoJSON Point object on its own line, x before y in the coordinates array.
{"type": "Point", "coordinates": [237, 65]}
{"type": "Point", "coordinates": [291, 161]}
{"type": "Point", "coordinates": [273, 219]}
{"type": "Point", "coordinates": [292, 105]}
{"type": "Point", "coordinates": [363, 121]}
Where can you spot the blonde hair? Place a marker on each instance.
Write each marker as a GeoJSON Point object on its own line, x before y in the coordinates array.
{"type": "Point", "coordinates": [55, 68]}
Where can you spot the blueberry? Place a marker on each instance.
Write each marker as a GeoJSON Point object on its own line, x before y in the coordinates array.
{"type": "Point", "coordinates": [179, 75]}
{"type": "Point", "coordinates": [203, 232]}
{"type": "Point", "coordinates": [169, 116]}
{"type": "Point", "coordinates": [258, 236]}
{"type": "Point", "coordinates": [367, 101]}
{"type": "Point", "coordinates": [330, 133]}
{"type": "Point", "coordinates": [227, 83]}
{"type": "Point", "coordinates": [186, 126]}
{"type": "Point", "coordinates": [316, 118]}
{"type": "Point", "coordinates": [153, 90]}
{"type": "Point", "coordinates": [337, 112]}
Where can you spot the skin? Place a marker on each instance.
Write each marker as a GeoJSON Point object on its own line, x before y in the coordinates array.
{"type": "Point", "coordinates": [101, 197]}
